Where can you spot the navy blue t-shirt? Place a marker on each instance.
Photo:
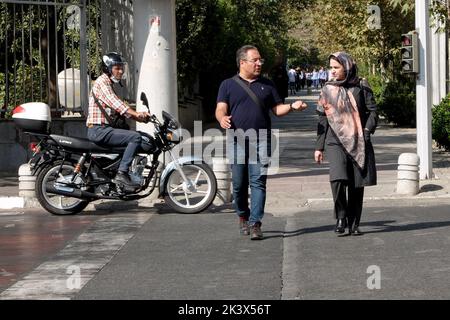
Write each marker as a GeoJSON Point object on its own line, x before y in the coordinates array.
{"type": "Point", "coordinates": [245, 113]}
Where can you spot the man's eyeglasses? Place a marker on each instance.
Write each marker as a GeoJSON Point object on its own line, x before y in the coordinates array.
{"type": "Point", "coordinates": [261, 61]}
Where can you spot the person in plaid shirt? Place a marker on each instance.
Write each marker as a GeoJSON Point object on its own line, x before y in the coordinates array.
{"type": "Point", "coordinates": [99, 130]}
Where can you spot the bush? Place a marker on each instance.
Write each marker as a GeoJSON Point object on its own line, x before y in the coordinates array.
{"type": "Point", "coordinates": [398, 103]}
{"type": "Point", "coordinates": [377, 85]}
{"type": "Point", "coordinates": [396, 100]}
{"type": "Point", "coordinates": [441, 123]}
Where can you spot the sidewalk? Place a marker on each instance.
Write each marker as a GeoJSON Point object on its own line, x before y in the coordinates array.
{"type": "Point", "coordinates": [301, 183]}
{"type": "Point", "coordinates": [9, 192]}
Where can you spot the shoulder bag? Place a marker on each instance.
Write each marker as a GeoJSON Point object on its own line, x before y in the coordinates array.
{"type": "Point", "coordinates": [273, 138]}
{"type": "Point", "coordinates": [116, 121]}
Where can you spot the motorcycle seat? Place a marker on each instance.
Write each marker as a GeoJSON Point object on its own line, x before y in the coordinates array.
{"type": "Point", "coordinates": [82, 144]}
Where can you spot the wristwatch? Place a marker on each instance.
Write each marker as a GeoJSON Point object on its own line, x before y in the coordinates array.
{"type": "Point", "coordinates": [290, 105]}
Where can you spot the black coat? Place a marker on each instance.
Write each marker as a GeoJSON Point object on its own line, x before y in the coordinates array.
{"type": "Point", "coordinates": [342, 166]}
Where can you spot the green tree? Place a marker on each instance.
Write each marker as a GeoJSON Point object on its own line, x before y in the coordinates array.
{"type": "Point", "coordinates": [210, 31]}
{"type": "Point", "coordinates": [337, 25]}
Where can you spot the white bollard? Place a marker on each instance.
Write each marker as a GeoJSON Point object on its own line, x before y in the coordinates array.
{"type": "Point", "coordinates": [408, 174]}
{"type": "Point", "coordinates": [222, 171]}
{"type": "Point", "coordinates": [26, 182]}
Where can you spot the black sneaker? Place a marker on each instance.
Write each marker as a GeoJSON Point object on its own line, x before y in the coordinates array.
{"type": "Point", "coordinates": [124, 178]}
{"type": "Point", "coordinates": [256, 232]}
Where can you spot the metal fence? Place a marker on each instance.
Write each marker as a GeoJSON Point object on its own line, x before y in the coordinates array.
{"type": "Point", "coordinates": [50, 50]}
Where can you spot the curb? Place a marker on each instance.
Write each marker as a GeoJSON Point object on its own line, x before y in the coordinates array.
{"type": "Point", "coordinates": [399, 197]}
{"type": "Point", "coordinates": [12, 202]}
{"type": "Point", "coordinates": [7, 203]}
{"type": "Point", "coordinates": [15, 203]}
{"type": "Point", "coordinates": [376, 201]}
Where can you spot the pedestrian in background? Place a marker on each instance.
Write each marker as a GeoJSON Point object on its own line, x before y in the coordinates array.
{"type": "Point", "coordinates": [292, 75]}
{"type": "Point", "coordinates": [347, 118]}
{"type": "Point", "coordinates": [302, 77]}
{"type": "Point", "coordinates": [297, 79]}
{"type": "Point", "coordinates": [323, 77]}
{"type": "Point", "coordinates": [281, 80]}
{"type": "Point", "coordinates": [315, 79]}
{"type": "Point", "coordinates": [309, 81]}
{"type": "Point", "coordinates": [243, 105]}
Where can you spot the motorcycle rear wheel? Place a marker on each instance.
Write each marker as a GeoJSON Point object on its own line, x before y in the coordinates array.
{"type": "Point", "coordinates": [54, 203]}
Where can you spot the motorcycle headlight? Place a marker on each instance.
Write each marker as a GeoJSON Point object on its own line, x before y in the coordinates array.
{"type": "Point", "coordinates": [173, 136]}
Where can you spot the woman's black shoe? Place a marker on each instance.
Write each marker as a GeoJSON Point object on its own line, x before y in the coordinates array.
{"type": "Point", "coordinates": [340, 226]}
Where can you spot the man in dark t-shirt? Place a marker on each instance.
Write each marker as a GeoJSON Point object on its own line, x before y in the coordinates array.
{"type": "Point", "coordinates": [243, 105]}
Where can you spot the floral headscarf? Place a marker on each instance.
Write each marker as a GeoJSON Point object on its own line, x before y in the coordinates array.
{"type": "Point", "coordinates": [341, 109]}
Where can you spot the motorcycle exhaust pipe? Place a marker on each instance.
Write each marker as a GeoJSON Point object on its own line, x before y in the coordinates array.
{"type": "Point", "coordinates": [72, 192]}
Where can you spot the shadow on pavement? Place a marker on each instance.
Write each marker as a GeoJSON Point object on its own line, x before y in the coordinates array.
{"type": "Point", "coordinates": [295, 233]}
{"type": "Point", "coordinates": [382, 227]}
{"type": "Point", "coordinates": [430, 188]}
{"type": "Point", "coordinates": [162, 208]}
{"type": "Point", "coordinates": [385, 227]}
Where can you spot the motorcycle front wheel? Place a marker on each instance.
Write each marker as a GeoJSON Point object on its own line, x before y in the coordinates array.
{"type": "Point", "coordinates": [194, 195]}
{"type": "Point", "coordinates": [57, 176]}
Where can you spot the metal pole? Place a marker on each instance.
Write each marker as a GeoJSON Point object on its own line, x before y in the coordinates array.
{"type": "Point", "coordinates": [55, 12]}
{"type": "Point", "coordinates": [40, 54]}
{"type": "Point", "coordinates": [435, 64]}
{"type": "Point", "coordinates": [83, 57]}
{"type": "Point", "coordinates": [6, 101]}
{"type": "Point", "coordinates": [30, 22]}
{"type": "Point", "coordinates": [447, 64]}
{"type": "Point", "coordinates": [439, 67]}
{"type": "Point", "coordinates": [24, 74]}
{"type": "Point", "coordinates": [14, 55]}
{"type": "Point", "coordinates": [423, 91]}
{"type": "Point", "coordinates": [65, 58]}
{"type": "Point", "coordinates": [443, 64]}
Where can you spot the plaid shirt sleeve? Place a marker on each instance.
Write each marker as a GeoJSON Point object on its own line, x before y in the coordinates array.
{"type": "Point", "coordinates": [106, 96]}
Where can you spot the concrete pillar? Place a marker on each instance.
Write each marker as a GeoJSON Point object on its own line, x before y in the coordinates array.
{"type": "Point", "coordinates": [26, 182]}
{"type": "Point", "coordinates": [222, 171]}
{"type": "Point", "coordinates": [408, 175]}
{"type": "Point", "coordinates": [155, 57]}
{"type": "Point", "coordinates": [27, 187]}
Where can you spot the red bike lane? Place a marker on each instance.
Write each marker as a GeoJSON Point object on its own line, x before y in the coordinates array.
{"type": "Point", "coordinates": [29, 237]}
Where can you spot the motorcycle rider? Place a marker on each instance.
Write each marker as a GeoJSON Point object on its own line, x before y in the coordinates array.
{"type": "Point", "coordinates": [99, 130]}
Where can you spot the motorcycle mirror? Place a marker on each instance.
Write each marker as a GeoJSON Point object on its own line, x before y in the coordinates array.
{"type": "Point", "coordinates": [144, 99]}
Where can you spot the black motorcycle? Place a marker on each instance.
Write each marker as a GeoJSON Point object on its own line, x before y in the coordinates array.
{"type": "Point", "coordinates": [72, 172]}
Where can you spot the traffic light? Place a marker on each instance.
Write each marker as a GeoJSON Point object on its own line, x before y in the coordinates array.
{"type": "Point", "coordinates": [410, 52]}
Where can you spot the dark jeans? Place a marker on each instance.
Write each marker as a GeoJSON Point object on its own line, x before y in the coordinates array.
{"type": "Point", "coordinates": [292, 87]}
{"type": "Point", "coordinates": [108, 136]}
{"type": "Point", "coordinates": [250, 164]}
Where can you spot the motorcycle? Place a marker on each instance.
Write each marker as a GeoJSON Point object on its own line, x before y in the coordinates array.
{"type": "Point", "coordinates": [71, 172]}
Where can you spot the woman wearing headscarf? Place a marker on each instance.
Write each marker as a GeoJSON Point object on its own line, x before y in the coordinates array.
{"type": "Point", "coordinates": [347, 118]}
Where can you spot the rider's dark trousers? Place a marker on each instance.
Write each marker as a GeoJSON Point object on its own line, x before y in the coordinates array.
{"type": "Point", "coordinates": [108, 136]}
